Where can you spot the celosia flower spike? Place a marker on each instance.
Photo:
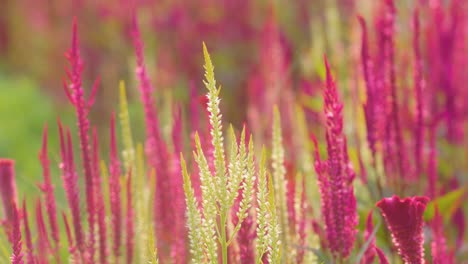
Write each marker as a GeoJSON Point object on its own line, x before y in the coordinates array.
{"type": "Point", "coordinates": [404, 219]}
{"type": "Point", "coordinates": [8, 191]}
{"type": "Point", "coordinates": [17, 256]}
{"type": "Point", "coordinates": [100, 208]}
{"type": "Point", "coordinates": [335, 177]}
{"type": "Point", "coordinates": [43, 243]}
{"type": "Point", "coordinates": [155, 147]}
{"type": "Point", "coordinates": [76, 94]}
{"type": "Point", "coordinates": [371, 105]}
{"type": "Point", "coordinates": [48, 189]}
{"type": "Point", "coordinates": [129, 220]}
{"type": "Point", "coordinates": [115, 191]}
{"type": "Point", "coordinates": [370, 251]}
{"type": "Point", "coordinates": [27, 231]}
{"type": "Point", "coordinates": [439, 245]}
{"type": "Point", "coordinates": [193, 218]}
{"type": "Point", "coordinates": [70, 184]}
{"type": "Point", "coordinates": [418, 89]}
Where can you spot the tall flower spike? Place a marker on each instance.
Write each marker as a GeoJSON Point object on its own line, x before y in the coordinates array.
{"type": "Point", "coordinates": [193, 218]}
{"type": "Point", "coordinates": [418, 89]}
{"type": "Point", "coordinates": [70, 184]}
{"type": "Point", "coordinates": [115, 191]}
{"type": "Point", "coordinates": [75, 94]}
{"type": "Point", "coordinates": [404, 219]}
{"type": "Point", "coordinates": [371, 105]}
{"type": "Point", "coordinates": [129, 220]}
{"type": "Point", "coordinates": [155, 147]}
{"type": "Point", "coordinates": [43, 243]}
{"type": "Point", "coordinates": [8, 191]}
{"type": "Point", "coordinates": [100, 207]}
{"type": "Point", "coordinates": [438, 245]}
{"type": "Point", "coordinates": [335, 177]}
{"type": "Point", "coordinates": [17, 256]}
{"type": "Point", "coordinates": [48, 189]}
{"type": "Point", "coordinates": [27, 232]}
{"type": "Point", "coordinates": [279, 177]}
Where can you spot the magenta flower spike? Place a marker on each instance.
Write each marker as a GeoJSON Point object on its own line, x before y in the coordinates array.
{"type": "Point", "coordinates": [115, 191]}
{"type": "Point", "coordinates": [370, 253]}
{"type": "Point", "coordinates": [156, 152]}
{"type": "Point", "coordinates": [75, 94]}
{"type": "Point", "coordinates": [129, 220]}
{"type": "Point", "coordinates": [17, 256]}
{"type": "Point", "coordinates": [70, 184]}
{"type": "Point", "coordinates": [27, 231]}
{"type": "Point", "coordinates": [335, 176]}
{"type": "Point", "coordinates": [418, 89]}
{"type": "Point", "coordinates": [404, 219]}
{"type": "Point", "coordinates": [371, 106]}
{"type": "Point", "coordinates": [43, 243]}
{"type": "Point", "coordinates": [48, 189]}
{"type": "Point", "coordinates": [439, 245]}
{"type": "Point", "coordinates": [100, 207]}
{"type": "Point", "coordinates": [8, 191]}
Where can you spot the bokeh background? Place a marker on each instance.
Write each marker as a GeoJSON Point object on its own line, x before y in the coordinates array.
{"type": "Point", "coordinates": [34, 35]}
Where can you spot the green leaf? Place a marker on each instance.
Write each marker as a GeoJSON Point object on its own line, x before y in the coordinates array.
{"type": "Point", "coordinates": [446, 204]}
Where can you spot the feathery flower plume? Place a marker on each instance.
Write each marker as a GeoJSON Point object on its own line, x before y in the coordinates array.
{"type": "Point", "coordinates": [194, 219]}
{"type": "Point", "coordinates": [372, 250]}
{"type": "Point", "coordinates": [404, 219]}
{"type": "Point", "coordinates": [48, 189]}
{"type": "Point", "coordinates": [100, 207]}
{"type": "Point", "coordinates": [115, 191]}
{"type": "Point", "coordinates": [301, 221]}
{"type": "Point", "coordinates": [178, 250]}
{"type": "Point", "coordinates": [129, 220]}
{"type": "Point", "coordinates": [43, 243]}
{"type": "Point", "coordinates": [418, 89]}
{"type": "Point", "coordinates": [369, 255]}
{"type": "Point", "coordinates": [8, 191]}
{"type": "Point", "coordinates": [268, 244]}
{"type": "Point", "coordinates": [17, 256]}
{"type": "Point", "coordinates": [394, 153]}
{"type": "Point", "coordinates": [29, 245]}
{"type": "Point", "coordinates": [335, 177]}
{"type": "Point", "coordinates": [71, 248]}
{"type": "Point", "coordinates": [155, 148]}
{"type": "Point", "coordinates": [219, 187]}
{"type": "Point", "coordinates": [438, 245]}
{"type": "Point", "coordinates": [75, 94]}
{"type": "Point", "coordinates": [70, 184]}
{"type": "Point", "coordinates": [279, 177]}
{"type": "Point", "coordinates": [371, 106]}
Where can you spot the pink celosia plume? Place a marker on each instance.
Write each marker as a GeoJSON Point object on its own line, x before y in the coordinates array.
{"type": "Point", "coordinates": [335, 176]}
{"type": "Point", "coordinates": [115, 192]}
{"type": "Point", "coordinates": [8, 190]}
{"type": "Point", "coordinates": [100, 207]}
{"type": "Point", "coordinates": [155, 148]}
{"type": "Point", "coordinates": [48, 189]}
{"type": "Point", "coordinates": [29, 245]}
{"type": "Point", "coordinates": [70, 184]}
{"type": "Point", "coordinates": [17, 255]}
{"type": "Point", "coordinates": [75, 94]}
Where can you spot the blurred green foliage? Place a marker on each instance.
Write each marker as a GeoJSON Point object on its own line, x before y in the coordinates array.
{"type": "Point", "coordinates": [24, 110]}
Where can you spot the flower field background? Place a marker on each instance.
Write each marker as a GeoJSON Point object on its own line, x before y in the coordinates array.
{"type": "Point", "coordinates": [233, 131]}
